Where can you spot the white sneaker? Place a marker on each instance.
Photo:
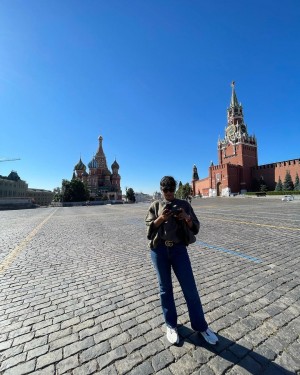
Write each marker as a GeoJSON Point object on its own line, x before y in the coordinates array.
{"type": "Point", "coordinates": [172, 335]}
{"type": "Point", "coordinates": [210, 336]}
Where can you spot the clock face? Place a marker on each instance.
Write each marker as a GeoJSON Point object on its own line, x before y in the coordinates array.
{"type": "Point", "coordinates": [230, 132]}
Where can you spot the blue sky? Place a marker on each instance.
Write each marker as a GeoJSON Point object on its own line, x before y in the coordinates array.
{"type": "Point", "coordinates": [151, 76]}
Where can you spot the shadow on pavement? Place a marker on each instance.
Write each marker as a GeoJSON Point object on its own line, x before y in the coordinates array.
{"type": "Point", "coordinates": [230, 353]}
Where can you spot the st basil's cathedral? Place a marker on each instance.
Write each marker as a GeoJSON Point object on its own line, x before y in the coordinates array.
{"type": "Point", "coordinates": [100, 181]}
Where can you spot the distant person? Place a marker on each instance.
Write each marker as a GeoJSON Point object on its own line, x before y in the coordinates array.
{"type": "Point", "coordinates": [171, 227]}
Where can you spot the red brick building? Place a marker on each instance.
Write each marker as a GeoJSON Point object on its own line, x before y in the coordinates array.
{"type": "Point", "coordinates": [238, 169]}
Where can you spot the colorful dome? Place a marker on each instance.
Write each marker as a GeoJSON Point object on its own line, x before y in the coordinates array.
{"type": "Point", "coordinates": [80, 166]}
{"type": "Point", "coordinates": [115, 165]}
{"type": "Point", "coordinates": [93, 163]}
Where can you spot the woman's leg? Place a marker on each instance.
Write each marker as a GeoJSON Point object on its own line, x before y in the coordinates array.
{"type": "Point", "coordinates": [161, 261]}
{"type": "Point", "coordinates": [183, 270]}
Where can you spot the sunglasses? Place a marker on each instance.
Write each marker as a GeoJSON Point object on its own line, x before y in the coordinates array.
{"type": "Point", "coordinates": [166, 189]}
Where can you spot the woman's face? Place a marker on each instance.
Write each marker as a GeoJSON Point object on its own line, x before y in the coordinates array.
{"type": "Point", "coordinates": [168, 193]}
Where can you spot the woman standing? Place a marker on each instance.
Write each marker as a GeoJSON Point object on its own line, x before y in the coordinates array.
{"type": "Point", "coordinates": [171, 226]}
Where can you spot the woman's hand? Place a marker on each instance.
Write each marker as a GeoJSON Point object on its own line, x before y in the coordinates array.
{"type": "Point", "coordinates": [164, 216]}
{"type": "Point", "coordinates": [184, 216]}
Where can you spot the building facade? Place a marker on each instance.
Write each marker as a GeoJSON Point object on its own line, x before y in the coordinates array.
{"type": "Point", "coordinates": [15, 192]}
{"type": "Point", "coordinates": [238, 170]}
{"type": "Point", "coordinates": [40, 196]}
{"type": "Point", "coordinates": [12, 186]}
{"type": "Point", "coordinates": [100, 181]}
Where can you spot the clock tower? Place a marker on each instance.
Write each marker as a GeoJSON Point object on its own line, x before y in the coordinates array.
{"type": "Point", "coordinates": [238, 170]}
{"type": "Point", "coordinates": [238, 147]}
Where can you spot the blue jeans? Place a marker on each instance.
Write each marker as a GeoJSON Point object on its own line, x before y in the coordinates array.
{"type": "Point", "coordinates": [164, 259]}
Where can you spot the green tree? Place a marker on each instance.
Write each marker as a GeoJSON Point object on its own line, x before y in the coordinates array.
{"type": "Point", "coordinates": [183, 191]}
{"type": "Point", "coordinates": [186, 190]}
{"type": "Point", "coordinates": [288, 184]}
{"type": "Point", "coordinates": [297, 183]}
{"type": "Point", "coordinates": [262, 185]}
{"type": "Point", "coordinates": [74, 191]}
{"type": "Point", "coordinates": [130, 195]}
{"type": "Point", "coordinates": [57, 194]}
{"type": "Point", "coordinates": [278, 186]}
{"type": "Point", "coordinates": [178, 193]}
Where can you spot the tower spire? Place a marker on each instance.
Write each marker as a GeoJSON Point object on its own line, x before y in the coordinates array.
{"type": "Point", "coordinates": [234, 102]}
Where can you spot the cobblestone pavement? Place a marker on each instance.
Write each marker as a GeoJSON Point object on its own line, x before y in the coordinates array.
{"type": "Point", "coordinates": [78, 293]}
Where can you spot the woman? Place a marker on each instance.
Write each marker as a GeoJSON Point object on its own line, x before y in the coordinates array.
{"type": "Point", "coordinates": [171, 226]}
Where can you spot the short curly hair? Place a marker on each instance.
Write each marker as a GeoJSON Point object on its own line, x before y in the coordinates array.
{"type": "Point", "coordinates": [168, 181]}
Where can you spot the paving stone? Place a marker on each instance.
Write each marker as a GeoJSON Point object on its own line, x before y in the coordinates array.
{"type": "Point", "coordinates": [78, 346]}
{"type": "Point", "coordinates": [202, 355]}
{"type": "Point", "coordinates": [12, 361]}
{"type": "Point", "coordinates": [107, 334]}
{"type": "Point", "coordinates": [139, 330]}
{"type": "Point", "coordinates": [11, 327]}
{"type": "Point", "coordinates": [35, 343]}
{"type": "Point", "coordinates": [241, 348]}
{"type": "Point", "coordinates": [63, 341]}
{"type": "Point", "coordinates": [67, 364]}
{"type": "Point", "coordinates": [83, 325]}
{"type": "Point", "coordinates": [5, 345]}
{"type": "Point", "coordinates": [144, 368]}
{"type": "Point", "coordinates": [119, 340]}
{"type": "Point", "coordinates": [164, 371]}
{"type": "Point", "coordinates": [151, 349]}
{"type": "Point", "coordinates": [49, 358]}
{"type": "Point", "coordinates": [70, 322]}
{"type": "Point", "coordinates": [161, 360]}
{"type": "Point", "coordinates": [94, 352]}
{"type": "Point", "coordinates": [287, 362]}
{"type": "Point", "coordinates": [47, 330]}
{"type": "Point", "coordinates": [126, 364]}
{"type": "Point", "coordinates": [37, 352]}
{"type": "Point", "coordinates": [110, 322]}
{"type": "Point", "coordinates": [134, 344]}
{"type": "Point", "coordinates": [109, 370]}
{"type": "Point", "coordinates": [224, 361]}
{"type": "Point", "coordinates": [294, 350]}
{"type": "Point", "coordinates": [110, 357]}
{"type": "Point", "coordinates": [86, 369]}
{"type": "Point", "coordinates": [247, 366]}
{"type": "Point", "coordinates": [204, 370]}
{"type": "Point", "coordinates": [21, 369]}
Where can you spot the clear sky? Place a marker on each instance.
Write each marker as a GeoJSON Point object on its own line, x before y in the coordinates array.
{"type": "Point", "coordinates": [151, 76]}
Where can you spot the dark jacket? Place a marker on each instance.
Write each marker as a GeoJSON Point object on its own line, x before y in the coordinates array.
{"type": "Point", "coordinates": [174, 230]}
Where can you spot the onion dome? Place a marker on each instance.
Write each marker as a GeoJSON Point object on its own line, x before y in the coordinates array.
{"type": "Point", "coordinates": [93, 163]}
{"type": "Point", "coordinates": [80, 166]}
{"type": "Point", "coordinates": [85, 174]}
{"type": "Point", "coordinates": [115, 165]}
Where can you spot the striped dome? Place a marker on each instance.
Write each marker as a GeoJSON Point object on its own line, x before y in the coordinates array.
{"type": "Point", "coordinates": [93, 163]}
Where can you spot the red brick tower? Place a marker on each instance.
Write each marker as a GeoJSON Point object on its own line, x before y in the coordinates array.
{"type": "Point", "coordinates": [238, 147]}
